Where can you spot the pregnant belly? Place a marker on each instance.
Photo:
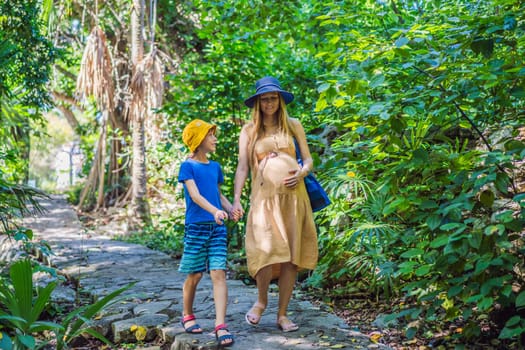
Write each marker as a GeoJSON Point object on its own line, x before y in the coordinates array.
{"type": "Point", "coordinates": [277, 169]}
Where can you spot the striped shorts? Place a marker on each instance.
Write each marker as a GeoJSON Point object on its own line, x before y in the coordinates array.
{"type": "Point", "coordinates": [204, 248]}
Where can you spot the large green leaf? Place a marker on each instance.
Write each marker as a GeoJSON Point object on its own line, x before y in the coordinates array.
{"type": "Point", "coordinates": [77, 322]}
{"type": "Point", "coordinates": [520, 300]}
{"type": "Point", "coordinates": [21, 274]}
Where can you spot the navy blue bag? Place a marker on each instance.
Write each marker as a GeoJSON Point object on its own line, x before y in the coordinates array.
{"type": "Point", "coordinates": [318, 196]}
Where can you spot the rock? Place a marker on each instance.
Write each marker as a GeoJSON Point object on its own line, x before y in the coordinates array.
{"type": "Point", "coordinates": [122, 329]}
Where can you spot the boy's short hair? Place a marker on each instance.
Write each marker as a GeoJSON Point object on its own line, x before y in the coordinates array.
{"type": "Point", "coordinates": [195, 132]}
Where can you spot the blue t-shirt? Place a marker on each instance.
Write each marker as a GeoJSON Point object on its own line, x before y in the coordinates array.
{"type": "Point", "coordinates": [207, 177]}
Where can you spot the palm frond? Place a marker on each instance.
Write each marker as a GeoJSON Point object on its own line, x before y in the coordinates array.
{"type": "Point", "coordinates": [95, 77]}
{"type": "Point", "coordinates": [147, 86]}
{"type": "Point", "coordinates": [17, 201]}
{"type": "Point", "coordinates": [372, 233]}
{"type": "Point", "coordinates": [349, 187]}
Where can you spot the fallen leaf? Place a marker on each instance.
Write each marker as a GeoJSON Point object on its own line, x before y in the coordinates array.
{"type": "Point", "coordinates": [375, 336]}
{"type": "Point", "coordinates": [140, 333]}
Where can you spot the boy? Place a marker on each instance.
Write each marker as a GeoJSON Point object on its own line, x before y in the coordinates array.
{"type": "Point", "coordinates": [205, 236]}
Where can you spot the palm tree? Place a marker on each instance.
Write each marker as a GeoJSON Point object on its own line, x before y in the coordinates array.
{"type": "Point", "coordinates": [145, 91]}
{"type": "Point", "coordinates": [138, 113]}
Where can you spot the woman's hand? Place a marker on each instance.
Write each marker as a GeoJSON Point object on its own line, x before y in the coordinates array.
{"type": "Point", "coordinates": [292, 181]}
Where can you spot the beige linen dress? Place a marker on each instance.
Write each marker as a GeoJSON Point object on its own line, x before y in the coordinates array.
{"type": "Point", "coordinates": [280, 226]}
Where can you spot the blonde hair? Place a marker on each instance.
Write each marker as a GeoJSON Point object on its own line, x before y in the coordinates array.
{"type": "Point", "coordinates": [257, 129]}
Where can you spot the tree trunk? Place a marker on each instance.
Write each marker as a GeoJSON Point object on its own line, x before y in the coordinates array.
{"type": "Point", "coordinates": [139, 178]}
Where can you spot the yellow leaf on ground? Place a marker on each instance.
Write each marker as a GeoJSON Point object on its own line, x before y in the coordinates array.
{"type": "Point", "coordinates": [140, 333]}
{"type": "Point", "coordinates": [375, 336]}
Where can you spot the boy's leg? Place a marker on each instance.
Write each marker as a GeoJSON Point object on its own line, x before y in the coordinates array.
{"type": "Point", "coordinates": [220, 295]}
{"type": "Point", "coordinates": [193, 260]}
{"type": "Point", "coordinates": [217, 266]}
{"type": "Point", "coordinates": [188, 296]}
{"type": "Point", "coordinates": [188, 292]}
{"type": "Point", "coordinates": [217, 252]}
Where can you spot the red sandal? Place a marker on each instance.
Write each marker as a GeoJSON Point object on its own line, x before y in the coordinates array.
{"type": "Point", "coordinates": [223, 337]}
{"type": "Point", "coordinates": [194, 329]}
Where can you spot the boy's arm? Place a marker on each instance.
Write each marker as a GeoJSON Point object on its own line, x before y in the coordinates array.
{"type": "Point", "coordinates": [226, 204]}
{"type": "Point", "coordinates": [202, 202]}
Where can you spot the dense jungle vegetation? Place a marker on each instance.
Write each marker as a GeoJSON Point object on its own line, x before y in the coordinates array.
{"type": "Point", "coordinates": [414, 112]}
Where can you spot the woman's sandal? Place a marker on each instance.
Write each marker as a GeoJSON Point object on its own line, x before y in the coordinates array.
{"type": "Point", "coordinates": [253, 317]}
{"type": "Point", "coordinates": [224, 337]}
{"type": "Point", "coordinates": [285, 325]}
{"type": "Point", "coordinates": [193, 329]}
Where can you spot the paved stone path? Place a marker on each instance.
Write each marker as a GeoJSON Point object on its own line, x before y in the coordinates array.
{"type": "Point", "coordinates": [101, 265]}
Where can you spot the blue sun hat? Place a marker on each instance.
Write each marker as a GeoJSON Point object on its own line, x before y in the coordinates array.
{"type": "Point", "coordinates": [268, 84]}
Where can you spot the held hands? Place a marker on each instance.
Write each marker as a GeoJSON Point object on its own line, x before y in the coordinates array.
{"type": "Point", "coordinates": [220, 216]}
{"type": "Point", "coordinates": [237, 212]}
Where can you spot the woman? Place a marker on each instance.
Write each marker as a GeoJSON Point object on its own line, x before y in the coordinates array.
{"type": "Point", "coordinates": [281, 236]}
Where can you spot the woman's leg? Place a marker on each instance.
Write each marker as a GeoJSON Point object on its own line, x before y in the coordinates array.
{"type": "Point", "coordinates": [286, 285]}
{"type": "Point", "coordinates": [263, 279]}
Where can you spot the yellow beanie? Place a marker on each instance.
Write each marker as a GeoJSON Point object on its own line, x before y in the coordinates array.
{"type": "Point", "coordinates": [195, 132]}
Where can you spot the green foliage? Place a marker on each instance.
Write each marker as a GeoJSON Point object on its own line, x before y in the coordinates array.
{"type": "Point", "coordinates": [22, 305]}
{"type": "Point", "coordinates": [26, 54]}
{"type": "Point", "coordinates": [427, 101]}
{"type": "Point", "coordinates": [420, 104]}
{"type": "Point", "coordinates": [17, 201]}
{"type": "Point", "coordinates": [167, 236]}
{"type": "Point", "coordinates": [79, 321]}
{"type": "Point", "coordinates": [240, 48]}
{"type": "Point", "coordinates": [26, 57]}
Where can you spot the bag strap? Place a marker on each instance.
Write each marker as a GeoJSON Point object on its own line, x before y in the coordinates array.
{"type": "Point", "coordinates": [297, 152]}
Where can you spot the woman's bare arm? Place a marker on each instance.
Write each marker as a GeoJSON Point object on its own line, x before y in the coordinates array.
{"type": "Point", "coordinates": [241, 174]}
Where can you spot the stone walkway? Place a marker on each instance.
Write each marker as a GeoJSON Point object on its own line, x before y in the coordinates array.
{"type": "Point", "coordinates": [100, 265]}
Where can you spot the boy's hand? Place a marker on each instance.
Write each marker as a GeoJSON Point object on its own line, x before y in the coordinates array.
{"type": "Point", "coordinates": [220, 216]}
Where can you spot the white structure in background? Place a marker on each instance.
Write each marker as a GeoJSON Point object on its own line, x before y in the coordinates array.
{"type": "Point", "coordinates": [68, 164]}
